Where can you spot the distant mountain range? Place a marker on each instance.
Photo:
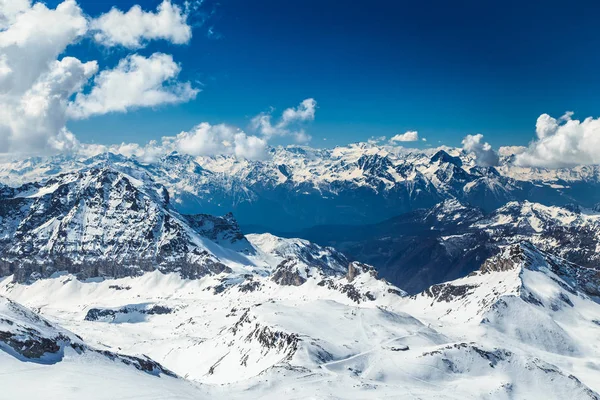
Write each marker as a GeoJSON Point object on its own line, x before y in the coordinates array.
{"type": "Point", "coordinates": [419, 216]}
{"type": "Point", "coordinates": [300, 187]}
{"type": "Point", "coordinates": [450, 240]}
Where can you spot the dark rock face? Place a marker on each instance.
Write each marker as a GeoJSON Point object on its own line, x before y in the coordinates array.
{"type": "Point", "coordinates": [249, 285]}
{"type": "Point", "coordinates": [32, 345]}
{"type": "Point", "coordinates": [107, 314]}
{"type": "Point", "coordinates": [448, 292]}
{"type": "Point", "coordinates": [222, 230]}
{"type": "Point", "coordinates": [143, 364]}
{"type": "Point", "coordinates": [354, 293]}
{"type": "Point", "coordinates": [286, 274]}
{"type": "Point", "coordinates": [275, 340]}
{"type": "Point", "coordinates": [356, 268]}
{"type": "Point", "coordinates": [507, 261]}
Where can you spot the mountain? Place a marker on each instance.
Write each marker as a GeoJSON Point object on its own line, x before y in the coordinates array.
{"type": "Point", "coordinates": [425, 242]}
{"type": "Point", "coordinates": [115, 270]}
{"type": "Point", "coordinates": [448, 241]}
{"type": "Point", "coordinates": [101, 222]}
{"type": "Point", "coordinates": [535, 308]}
{"type": "Point", "coordinates": [525, 325]}
{"type": "Point", "coordinates": [300, 187]}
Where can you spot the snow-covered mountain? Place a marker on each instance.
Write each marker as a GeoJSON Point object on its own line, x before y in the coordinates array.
{"type": "Point", "coordinates": [505, 290]}
{"type": "Point", "coordinates": [338, 189]}
{"type": "Point", "coordinates": [299, 187]}
{"type": "Point", "coordinates": [450, 240]}
{"type": "Point", "coordinates": [101, 222]}
{"type": "Point", "coordinates": [524, 326]}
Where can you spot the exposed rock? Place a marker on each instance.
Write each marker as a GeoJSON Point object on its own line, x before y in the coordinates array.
{"type": "Point", "coordinates": [509, 259]}
{"type": "Point", "coordinates": [108, 314]}
{"type": "Point", "coordinates": [448, 292]}
{"type": "Point", "coordinates": [356, 268]}
{"type": "Point", "coordinates": [287, 275]}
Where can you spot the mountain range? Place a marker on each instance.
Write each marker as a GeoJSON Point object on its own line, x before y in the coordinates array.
{"type": "Point", "coordinates": [388, 273]}
{"type": "Point", "coordinates": [420, 217]}
{"type": "Point", "coordinates": [300, 187]}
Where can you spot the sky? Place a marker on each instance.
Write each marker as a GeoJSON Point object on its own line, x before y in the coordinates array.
{"type": "Point", "coordinates": [374, 68]}
{"type": "Point", "coordinates": [378, 68]}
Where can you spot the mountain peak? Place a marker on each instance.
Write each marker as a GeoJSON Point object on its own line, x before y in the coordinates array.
{"type": "Point", "coordinates": [444, 157]}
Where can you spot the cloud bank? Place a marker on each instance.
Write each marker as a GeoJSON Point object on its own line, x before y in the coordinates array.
{"type": "Point", "coordinates": [563, 142]}
{"type": "Point", "coordinates": [203, 140]}
{"type": "Point", "coordinates": [40, 92]}
{"type": "Point", "coordinates": [134, 28]}
{"type": "Point", "coordinates": [484, 155]}
{"type": "Point", "coordinates": [289, 122]}
{"type": "Point", "coordinates": [206, 139]}
{"type": "Point", "coordinates": [410, 136]}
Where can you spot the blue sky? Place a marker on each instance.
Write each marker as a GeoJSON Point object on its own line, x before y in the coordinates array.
{"type": "Point", "coordinates": [375, 68]}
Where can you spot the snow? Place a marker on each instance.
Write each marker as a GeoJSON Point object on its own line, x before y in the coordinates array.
{"type": "Point", "coordinates": [309, 341]}
{"type": "Point", "coordinates": [88, 377]}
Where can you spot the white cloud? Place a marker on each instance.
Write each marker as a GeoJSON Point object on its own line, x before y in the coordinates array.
{"type": "Point", "coordinates": [10, 9]}
{"type": "Point", "coordinates": [485, 156]}
{"type": "Point", "coordinates": [288, 124]}
{"type": "Point", "coordinates": [511, 150]}
{"type": "Point", "coordinates": [37, 88]}
{"type": "Point", "coordinates": [207, 140]}
{"type": "Point", "coordinates": [203, 140]}
{"type": "Point", "coordinates": [135, 82]}
{"type": "Point", "coordinates": [262, 123]}
{"type": "Point", "coordinates": [34, 85]}
{"type": "Point", "coordinates": [304, 112]}
{"type": "Point", "coordinates": [376, 139]}
{"type": "Point", "coordinates": [302, 137]}
{"type": "Point", "coordinates": [132, 29]}
{"type": "Point", "coordinates": [34, 38]}
{"type": "Point", "coordinates": [410, 136]}
{"type": "Point", "coordinates": [563, 143]}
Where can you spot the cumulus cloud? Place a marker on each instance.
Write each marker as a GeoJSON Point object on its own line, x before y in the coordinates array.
{"type": "Point", "coordinates": [41, 89]}
{"type": "Point", "coordinates": [132, 29]}
{"type": "Point", "coordinates": [34, 85]}
{"type": "Point", "coordinates": [288, 124]}
{"type": "Point", "coordinates": [135, 82]}
{"type": "Point", "coordinates": [563, 142]}
{"type": "Point", "coordinates": [485, 156]}
{"type": "Point", "coordinates": [376, 139]}
{"type": "Point", "coordinates": [207, 140]}
{"type": "Point", "coordinates": [304, 112]}
{"type": "Point", "coordinates": [9, 9]}
{"type": "Point", "coordinates": [410, 136]}
{"type": "Point", "coordinates": [203, 140]}
{"type": "Point", "coordinates": [511, 150]}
